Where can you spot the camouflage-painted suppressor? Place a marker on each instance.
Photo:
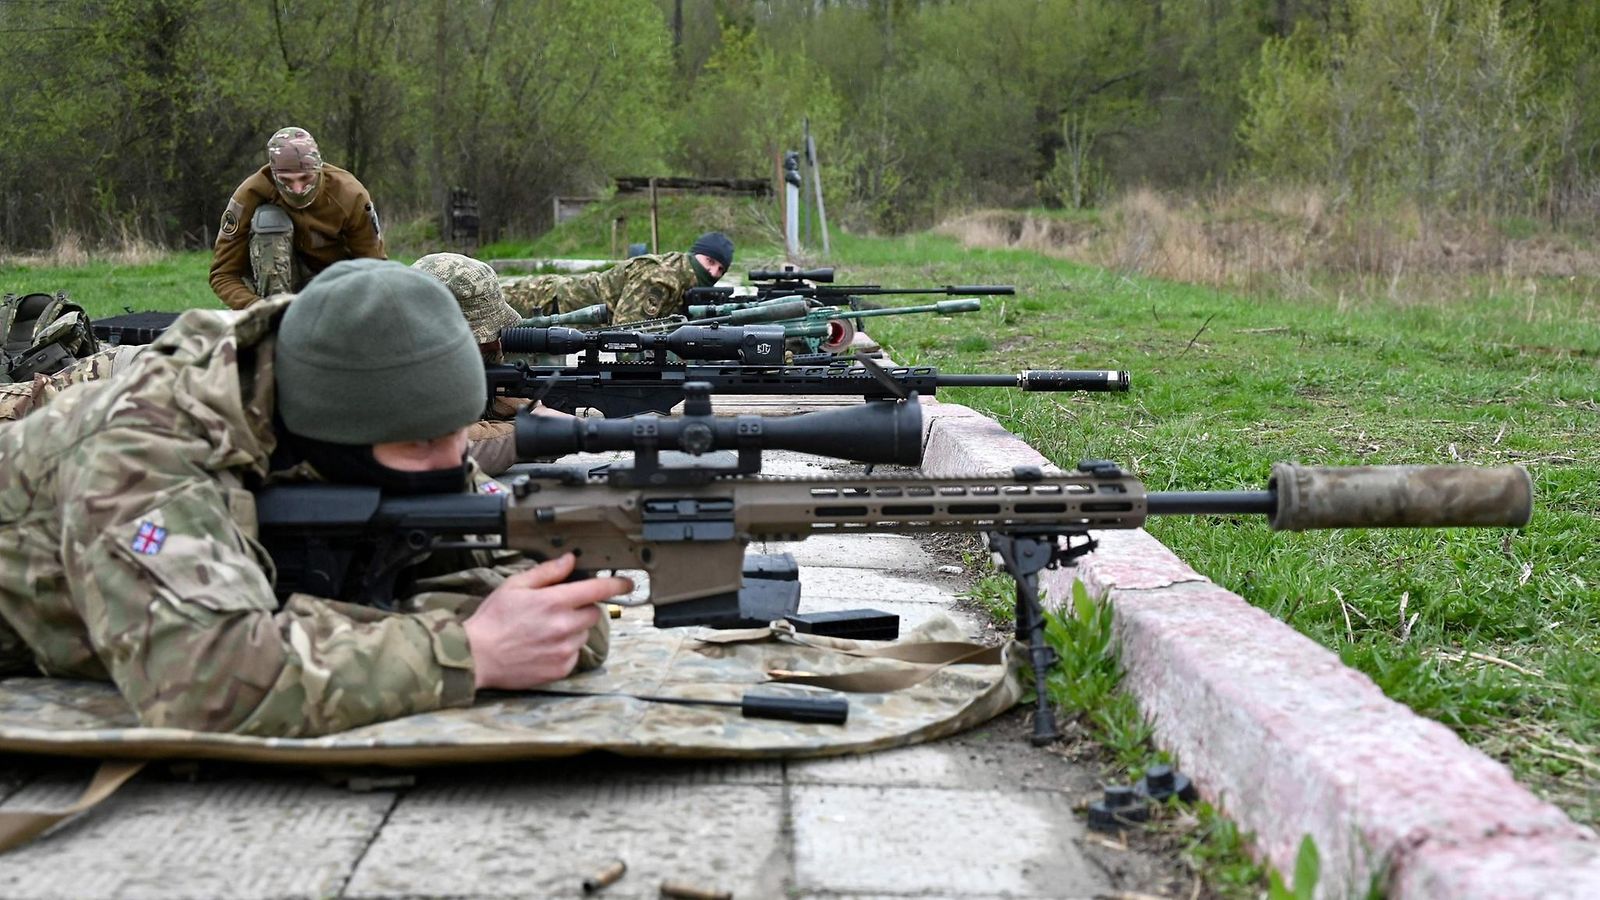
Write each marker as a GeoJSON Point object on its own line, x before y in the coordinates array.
{"type": "Point", "coordinates": [1400, 496]}
{"type": "Point", "coordinates": [598, 314]}
{"type": "Point", "coordinates": [1306, 498]}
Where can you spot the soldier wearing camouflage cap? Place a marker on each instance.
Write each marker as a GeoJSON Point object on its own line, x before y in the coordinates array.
{"type": "Point", "coordinates": [492, 441]}
{"type": "Point", "coordinates": [643, 287]}
{"type": "Point", "coordinates": [127, 526]}
{"type": "Point", "coordinates": [294, 217]}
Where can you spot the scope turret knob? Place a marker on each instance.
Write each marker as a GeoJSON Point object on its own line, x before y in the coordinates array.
{"type": "Point", "coordinates": [696, 398]}
{"type": "Point", "coordinates": [696, 438]}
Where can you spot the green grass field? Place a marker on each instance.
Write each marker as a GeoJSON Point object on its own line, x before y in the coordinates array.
{"type": "Point", "coordinates": [1494, 633]}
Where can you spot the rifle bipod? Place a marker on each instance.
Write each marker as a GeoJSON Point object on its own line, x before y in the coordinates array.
{"type": "Point", "coordinates": [1024, 556]}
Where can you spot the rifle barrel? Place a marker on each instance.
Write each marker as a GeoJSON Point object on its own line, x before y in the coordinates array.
{"type": "Point", "coordinates": [1212, 503]}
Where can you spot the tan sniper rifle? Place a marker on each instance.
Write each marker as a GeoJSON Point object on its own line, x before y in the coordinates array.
{"type": "Point", "coordinates": [688, 527]}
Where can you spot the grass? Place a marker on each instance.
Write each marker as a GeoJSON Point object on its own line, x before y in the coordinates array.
{"type": "Point", "coordinates": [178, 281]}
{"type": "Point", "coordinates": [1494, 633]}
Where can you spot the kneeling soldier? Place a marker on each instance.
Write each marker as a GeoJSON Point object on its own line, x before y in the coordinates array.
{"type": "Point", "coordinates": [290, 220]}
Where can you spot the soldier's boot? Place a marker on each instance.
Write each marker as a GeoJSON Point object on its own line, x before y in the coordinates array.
{"type": "Point", "coordinates": [272, 251]}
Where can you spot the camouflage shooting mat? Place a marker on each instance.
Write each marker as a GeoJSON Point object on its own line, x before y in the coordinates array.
{"type": "Point", "coordinates": [943, 695]}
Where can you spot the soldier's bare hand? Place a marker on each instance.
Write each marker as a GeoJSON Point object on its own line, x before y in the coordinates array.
{"type": "Point", "coordinates": [539, 409]}
{"type": "Point", "coordinates": [529, 631]}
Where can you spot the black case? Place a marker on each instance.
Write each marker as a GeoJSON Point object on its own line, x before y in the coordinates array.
{"type": "Point", "coordinates": [860, 624]}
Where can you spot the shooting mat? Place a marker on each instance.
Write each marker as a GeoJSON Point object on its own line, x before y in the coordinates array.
{"type": "Point", "coordinates": [949, 685]}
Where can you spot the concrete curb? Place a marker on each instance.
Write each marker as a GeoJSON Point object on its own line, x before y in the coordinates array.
{"type": "Point", "coordinates": [1286, 739]}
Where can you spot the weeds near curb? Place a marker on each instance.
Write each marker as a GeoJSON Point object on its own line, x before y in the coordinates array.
{"type": "Point", "coordinates": [1086, 686]}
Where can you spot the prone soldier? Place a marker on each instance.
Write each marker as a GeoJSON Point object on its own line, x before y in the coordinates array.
{"type": "Point", "coordinates": [292, 218]}
{"type": "Point", "coordinates": [492, 440]}
{"type": "Point", "coordinates": [643, 287]}
{"type": "Point", "coordinates": [127, 527]}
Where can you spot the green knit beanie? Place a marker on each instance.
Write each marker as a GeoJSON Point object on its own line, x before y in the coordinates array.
{"type": "Point", "coordinates": [374, 351]}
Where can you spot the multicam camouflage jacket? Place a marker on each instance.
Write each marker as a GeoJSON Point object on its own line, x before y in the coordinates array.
{"type": "Point", "coordinates": [128, 553]}
{"type": "Point", "coordinates": [644, 287]}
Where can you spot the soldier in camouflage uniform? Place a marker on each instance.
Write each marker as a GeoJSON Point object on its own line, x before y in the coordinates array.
{"type": "Point", "coordinates": [644, 287]}
{"type": "Point", "coordinates": [492, 441]}
{"type": "Point", "coordinates": [127, 522]}
{"type": "Point", "coordinates": [17, 400]}
{"type": "Point", "coordinates": [290, 220]}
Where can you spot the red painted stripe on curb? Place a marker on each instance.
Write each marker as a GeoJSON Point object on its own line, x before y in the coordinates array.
{"type": "Point", "coordinates": [1287, 739]}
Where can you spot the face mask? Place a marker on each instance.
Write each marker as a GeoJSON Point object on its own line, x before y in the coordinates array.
{"type": "Point", "coordinates": [700, 272]}
{"type": "Point", "coordinates": [298, 199]}
{"type": "Point", "coordinates": [355, 464]}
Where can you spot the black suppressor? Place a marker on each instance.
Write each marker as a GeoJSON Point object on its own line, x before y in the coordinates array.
{"type": "Point", "coordinates": [878, 432]}
{"type": "Point", "coordinates": [754, 345]}
{"type": "Point", "coordinates": [814, 710]}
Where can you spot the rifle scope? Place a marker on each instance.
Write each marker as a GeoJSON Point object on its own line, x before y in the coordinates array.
{"type": "Point", "coordinates": [775, 311]}
{"type": "Point", "coordinates": [755, 345]}
{"type": "Point", "coordinates": [598, 314]}
{"type": "Point", "coordinates": [823, 275]}
{"type": "Point", "coordinates": [871, 432]}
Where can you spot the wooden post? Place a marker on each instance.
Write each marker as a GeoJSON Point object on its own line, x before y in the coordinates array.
{"type": "Point", "coordinates": [805, 148]}
{"type": "Point", "coordinates": [777, 187]}
{"type": "Point", "coordinates": [655, 226]}
{"type": "Point", "coordinates": [816, 180]}
{"type": "Point", "coordinates": [619, 236]}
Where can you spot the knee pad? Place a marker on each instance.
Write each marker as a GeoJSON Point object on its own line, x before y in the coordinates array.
{"type": "Point", "coordinates": [270, 219]}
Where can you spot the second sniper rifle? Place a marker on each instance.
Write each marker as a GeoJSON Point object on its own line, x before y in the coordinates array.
{"type": "Point", "coordinates": [627, 389]}
{"type": "Point", "coordinates": [816, 287]}
{"type": "Point", "coordinates": [688, 528]}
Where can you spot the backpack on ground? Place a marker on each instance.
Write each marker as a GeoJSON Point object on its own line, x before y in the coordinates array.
{"type": "Point", "coordinates": [41, 334]}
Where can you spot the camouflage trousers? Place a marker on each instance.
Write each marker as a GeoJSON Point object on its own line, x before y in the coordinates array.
{"type": "Point", "coordinates": [536, 295]}
{"type": "Point", "coordinates": [274, 266]}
